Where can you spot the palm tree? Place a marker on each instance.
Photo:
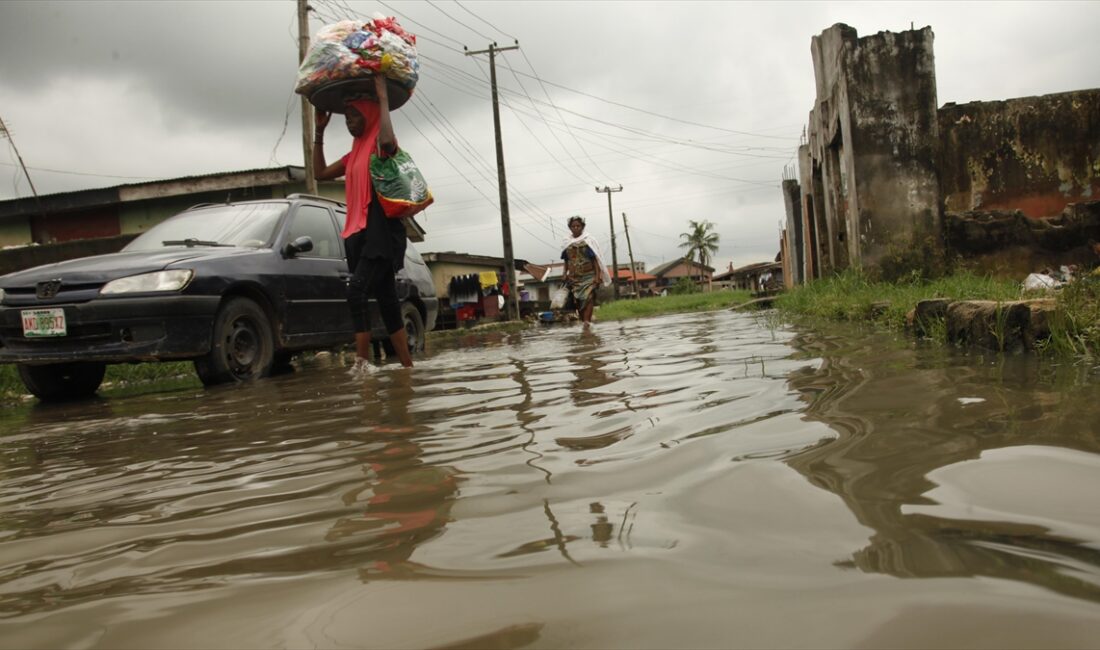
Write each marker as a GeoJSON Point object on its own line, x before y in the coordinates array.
{"type": "Point", "coordinates": [700, 238]}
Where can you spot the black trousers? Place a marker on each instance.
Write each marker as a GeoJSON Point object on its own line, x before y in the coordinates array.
{"type": "Point", "coordinates": [372, 277]}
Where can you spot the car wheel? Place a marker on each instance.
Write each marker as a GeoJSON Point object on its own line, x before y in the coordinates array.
{"type": "Point", "coordinates": [63, 381]}
{"type": "Point", "coordinates": [243, 346]}
{"type": "Point", "coordinates": [414, 330]}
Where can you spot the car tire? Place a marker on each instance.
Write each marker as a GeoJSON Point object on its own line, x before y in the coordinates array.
{"type": "Point", "coordinates": [63, 381]}
{"type": "Point", "coordinates": [243, 347]}
{"type": "Point", "coordinates": [414, 331]}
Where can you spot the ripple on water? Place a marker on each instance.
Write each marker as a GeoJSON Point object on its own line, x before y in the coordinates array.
{"type": "Point", "coordinates": [707, 447]}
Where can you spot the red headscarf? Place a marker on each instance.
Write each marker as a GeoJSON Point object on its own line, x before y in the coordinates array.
{"type": "Point", "coordinates": [357, 185]}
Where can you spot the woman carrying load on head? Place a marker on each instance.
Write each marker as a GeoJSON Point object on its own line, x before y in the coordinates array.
{"type": "Point", "coordinates": [375, 245]}
{"type": "Point", "coordinates": [585, 270]}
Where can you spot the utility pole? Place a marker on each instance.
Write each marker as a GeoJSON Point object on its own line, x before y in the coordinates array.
{"type": "Point", "coordinates": [630, 251]}
{"type": "Point", "coordinates": [4, 132]}
{"type": "Point", "coordinates": [307, 112]}
{"type": "Point", "coordinates": [512, 305]}
{"type": "Point", "coordinates": [614, 255]}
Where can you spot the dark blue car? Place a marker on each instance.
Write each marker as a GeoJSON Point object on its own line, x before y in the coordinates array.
{"type": "Point", "coordinates": [238, 288]}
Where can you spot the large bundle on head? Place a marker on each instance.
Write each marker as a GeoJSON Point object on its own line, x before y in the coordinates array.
{"type": "Point", "coordinates": [343, 58]}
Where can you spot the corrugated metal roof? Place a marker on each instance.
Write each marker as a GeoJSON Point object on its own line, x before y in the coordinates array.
{"type": "Point", "coordinates": [87, 198]}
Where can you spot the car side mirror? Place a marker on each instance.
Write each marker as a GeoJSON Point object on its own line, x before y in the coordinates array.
{"type": "Point", "coordinates": [302, 244]}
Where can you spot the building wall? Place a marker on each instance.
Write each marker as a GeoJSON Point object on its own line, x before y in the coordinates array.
{"type": "Point", "coordinates": [15, 232]}
{"type": "Point", "coordinates": [891, 183]}
{"type": "Point", "coordinates": [442, 272]}
{"type": "Point", "coordinates": [873, 139]}
{"type": "Point", "coordinates": [1033, 154]}
{"type": "Point", "coordinates": [90, 223]}
{"type": "Point", "coordinates": [793, 239]}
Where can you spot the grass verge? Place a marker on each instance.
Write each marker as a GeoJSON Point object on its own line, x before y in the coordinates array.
{"type": "Point", "coordinates": [1075, 329]}
{"type": "Point", "coordinates": [671, 304]}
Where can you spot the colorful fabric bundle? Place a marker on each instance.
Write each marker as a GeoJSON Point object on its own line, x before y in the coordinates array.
{"type": "Point", "coordinates": [399, 185]}
{"type": "Point", "coordinates": [351, 49]}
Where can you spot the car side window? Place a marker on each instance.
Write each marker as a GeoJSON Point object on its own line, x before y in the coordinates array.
{"type": "Point", "coordinates": [317, 224]}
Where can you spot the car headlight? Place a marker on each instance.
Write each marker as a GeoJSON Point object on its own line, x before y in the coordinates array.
{"type": "Point", "coordinates": [148, 282]}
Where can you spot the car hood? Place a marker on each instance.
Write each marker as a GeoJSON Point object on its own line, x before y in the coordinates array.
{"type": "Point", "coordinates": [104, 268]}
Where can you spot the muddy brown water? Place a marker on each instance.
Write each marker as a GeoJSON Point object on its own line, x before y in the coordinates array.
{"type": "Point", "coordinates": [703, 480]}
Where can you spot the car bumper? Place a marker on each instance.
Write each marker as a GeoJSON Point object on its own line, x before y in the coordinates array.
{"type": "Point", "coordinates": [115, 330]}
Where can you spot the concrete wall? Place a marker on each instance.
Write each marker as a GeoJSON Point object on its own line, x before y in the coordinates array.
{"type": "Point", "coordinates": [1033, 154]}
{"type": "Point", "coordinates": [1007, 243]}
{"type": "Point", "coordinates": [890, 183]}
{"type": "Point", "coordinates": [793, 238]}
{"type": "Point", "coordinates": [872, 149]}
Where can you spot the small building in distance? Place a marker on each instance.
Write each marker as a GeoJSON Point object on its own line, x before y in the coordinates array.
{"type": "Point", "coordinates": [749, 277]}
{"type": "Point", "coordinates": [626, 277]}
{"type": "Point", "coordinates": [669, 273]}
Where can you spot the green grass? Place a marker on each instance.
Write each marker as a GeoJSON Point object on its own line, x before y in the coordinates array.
{"type": "Point", "coordinates": [1075, 327]}
{"type": "Point", "coordinates": [850, 296]}
{"type": "Point", "coordinates": [671, 304]}
{"type": "Point", "coordinates": [122, 379]}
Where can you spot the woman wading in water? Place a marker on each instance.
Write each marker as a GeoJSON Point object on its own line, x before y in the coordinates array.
{"type": "Point", "coordinates": [375, 245]}
{"type": "Point", "coordinates": [585, 271]}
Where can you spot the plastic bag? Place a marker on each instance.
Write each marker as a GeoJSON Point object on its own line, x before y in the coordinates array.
{"type": "Point", "coordinates": [1036, 281]}
{"type": "Point", "coordinates": [399, 185]}
{"type": "Point", "coordinates": [559, 297]}
{"type": "Point", "coordinates": [352, 49]}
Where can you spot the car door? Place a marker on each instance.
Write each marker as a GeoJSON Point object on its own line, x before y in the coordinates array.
{"type": "Point", "coordinates": [315, 281]}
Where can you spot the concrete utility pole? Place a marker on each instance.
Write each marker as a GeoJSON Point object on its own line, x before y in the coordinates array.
{"type": "Point", "coordinates": [512, 312]}
{"type": "Point", "coordinates": [630, 251]}
{"type": "Point", "coordinates": [307, 110]}
{"type": "Point", "coordinates": [614, 255]}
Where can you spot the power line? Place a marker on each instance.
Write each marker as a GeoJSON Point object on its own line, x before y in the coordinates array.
{"type": "Point", "coordinates": [655, 137]}
{"type": "Point", "coordinates": [425, 27]}
{"type": "Point", "coordinates": [525, 203]}
{"type": "Point", "coordinates": [479, 34]}
{"type": "Point", "coordinates": [485, 21]}
{"type": "Point", "coordinates": [72, 173]}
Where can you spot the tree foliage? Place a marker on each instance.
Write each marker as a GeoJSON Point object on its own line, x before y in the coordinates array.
{"type": "Point", "coordinates": [700, 240]}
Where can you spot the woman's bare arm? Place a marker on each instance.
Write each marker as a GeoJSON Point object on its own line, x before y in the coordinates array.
{"type": "Point", "coordinates": [387, 141]}
{"type": "Point", "coordinates": [321, 171]}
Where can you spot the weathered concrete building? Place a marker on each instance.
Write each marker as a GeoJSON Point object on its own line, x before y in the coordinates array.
{"type": "Point", "coordinates": [890, 183]}
{"type": "Point", "coordinates": [1020, 181]}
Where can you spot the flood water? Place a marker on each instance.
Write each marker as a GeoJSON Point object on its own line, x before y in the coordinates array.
{"type": "Point", "coordinates": [707, 480]}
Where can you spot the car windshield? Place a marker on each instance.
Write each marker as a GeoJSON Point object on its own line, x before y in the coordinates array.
{"type": "Point", "coordinates": [248, 225]}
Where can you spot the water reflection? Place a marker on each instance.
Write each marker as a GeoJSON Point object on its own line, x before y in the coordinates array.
{"type": "Point", "coordinates": [906, 415]}
{"type": "Point", "coordinates": [534, 488]}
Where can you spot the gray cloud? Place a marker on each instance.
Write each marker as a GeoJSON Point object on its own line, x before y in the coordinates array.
{"type": "Point", "coordinates": [162, 89]}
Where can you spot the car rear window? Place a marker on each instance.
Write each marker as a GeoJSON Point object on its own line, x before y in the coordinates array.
{"type": "Point", "coordinates": [251, 225]}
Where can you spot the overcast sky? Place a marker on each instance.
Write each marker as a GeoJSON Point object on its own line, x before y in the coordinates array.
{"type": "Point", "coordinates": [694, 108]}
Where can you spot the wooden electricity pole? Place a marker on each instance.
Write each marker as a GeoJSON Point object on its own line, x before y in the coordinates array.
{"type": "Point", "coordinates": [630, 251]}
{"type": "Point", "coordinates": [307, 112]}
{"type": "Point", "coordinates": [512, 311]}
{"type": "Point", "coordinates": [614, 255]}
{"type": "Point", "coordinates": [5, 133]}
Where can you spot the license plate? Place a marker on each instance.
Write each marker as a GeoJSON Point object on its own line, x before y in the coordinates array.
{"type": "Point", "coordinates": [43, 322]}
